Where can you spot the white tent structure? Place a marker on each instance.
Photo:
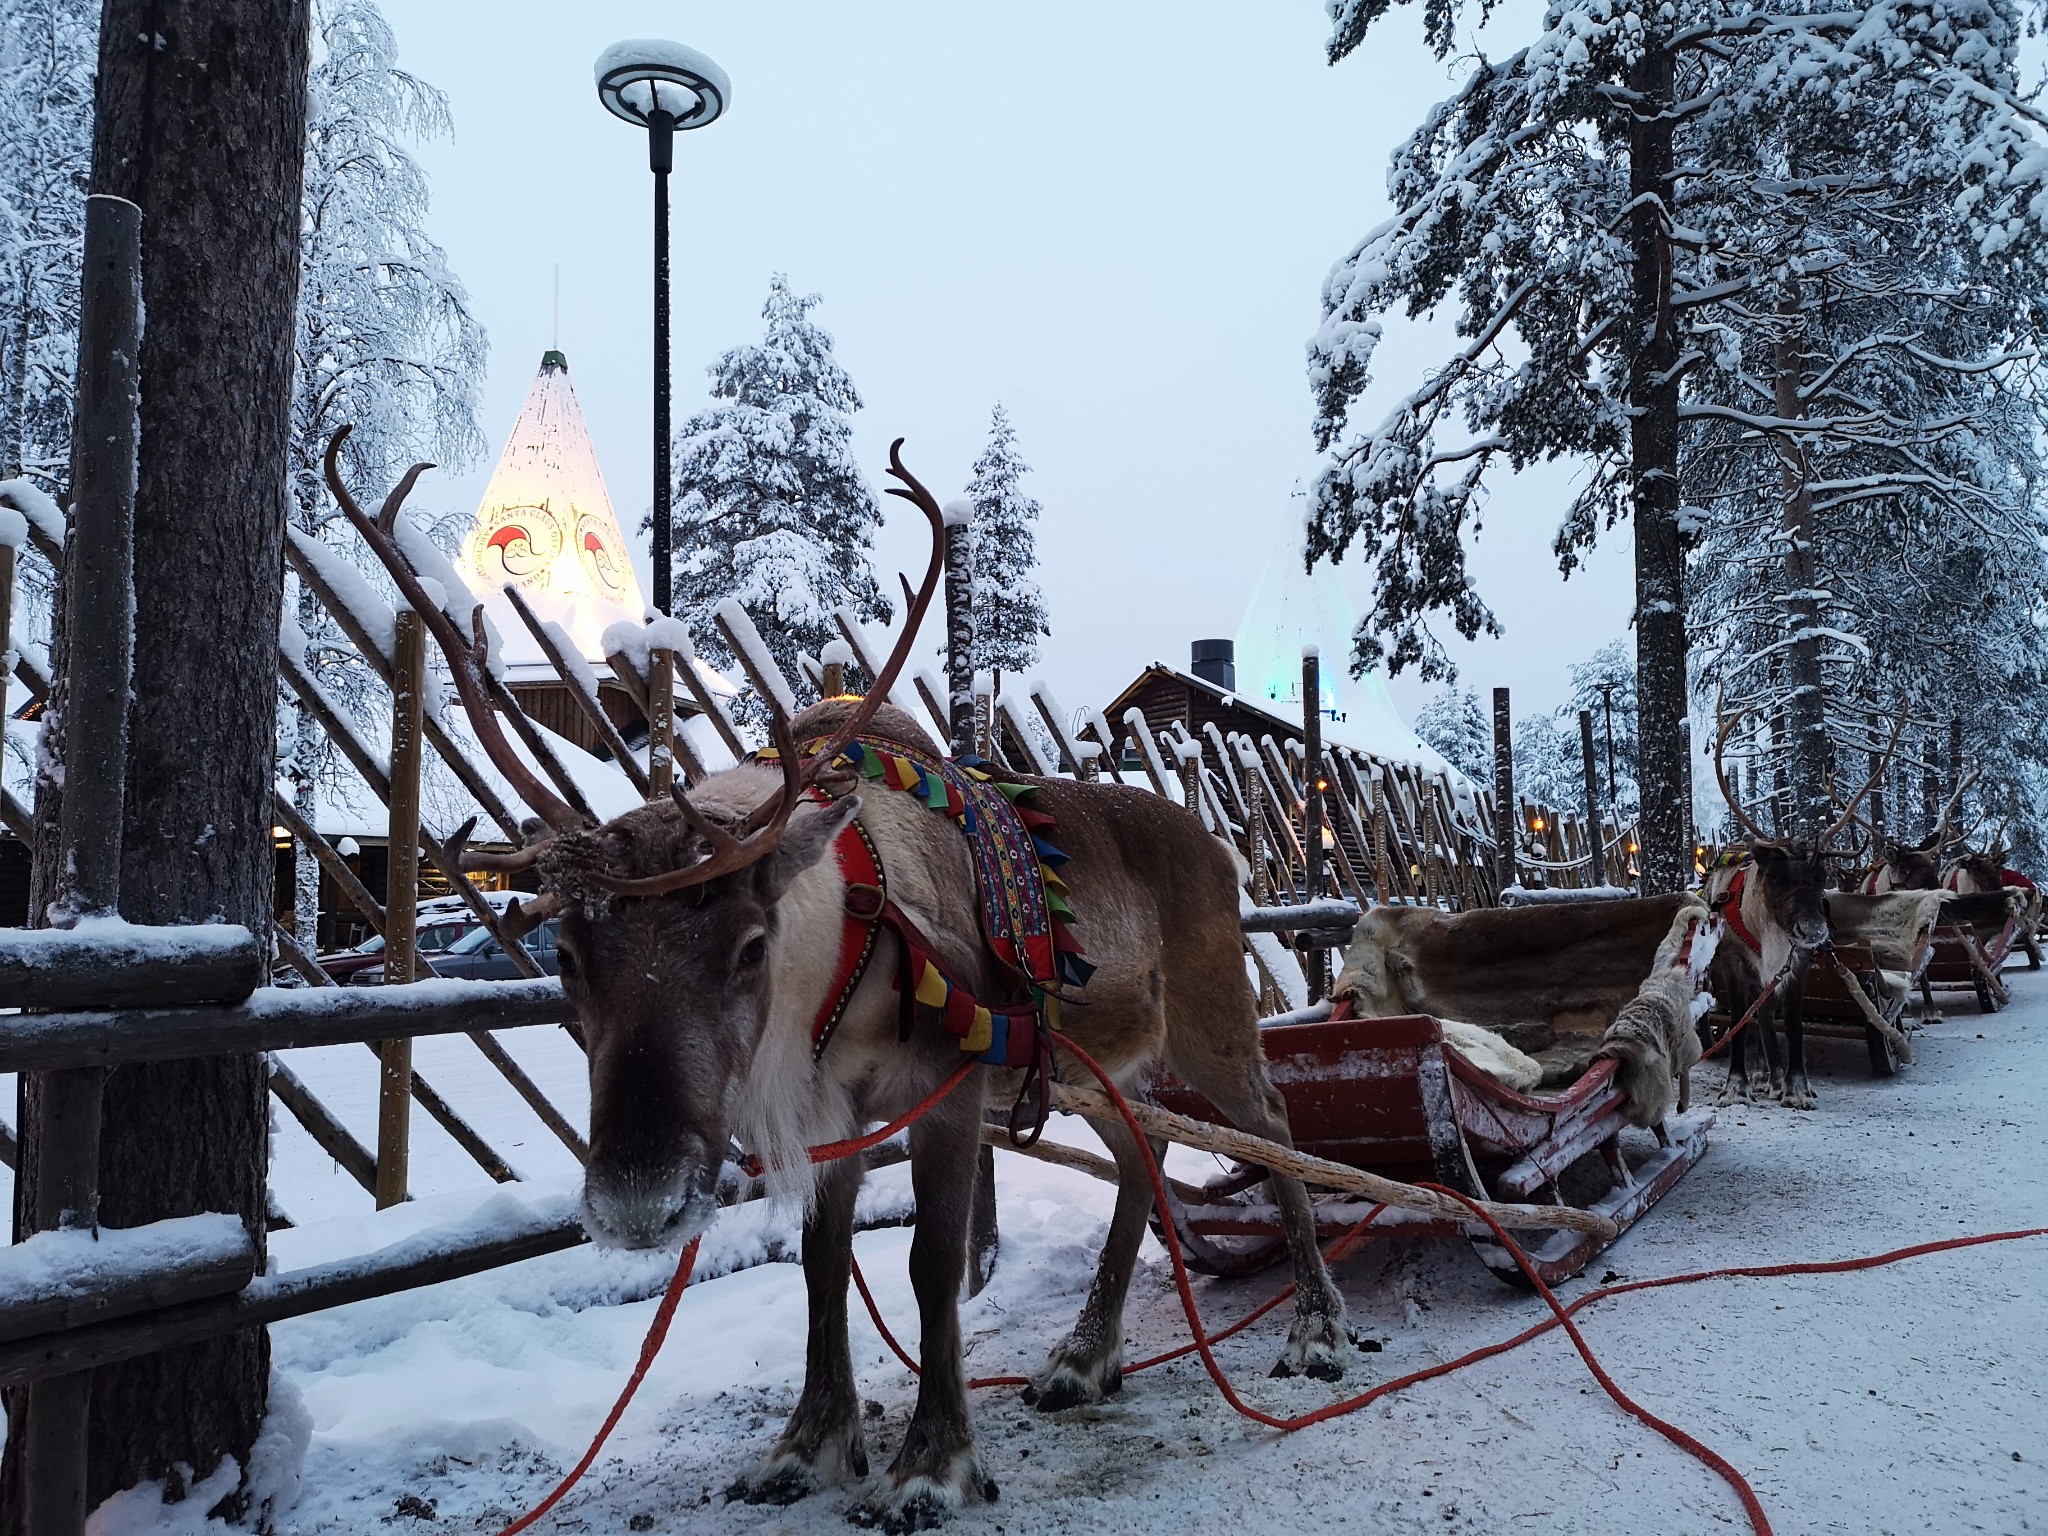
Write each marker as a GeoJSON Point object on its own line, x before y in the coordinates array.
{"type": "Point", "coordinates": [546, 526]}
{"type": "Point", "coordinates": [1291, 609]}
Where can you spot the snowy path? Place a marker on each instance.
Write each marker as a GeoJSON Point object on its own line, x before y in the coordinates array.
{"type": "Point", "coordinates": [1896, 1401]}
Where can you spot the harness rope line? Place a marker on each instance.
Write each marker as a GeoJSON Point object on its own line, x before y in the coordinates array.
{"type": "Point", "coordinates": [1561, 1314]}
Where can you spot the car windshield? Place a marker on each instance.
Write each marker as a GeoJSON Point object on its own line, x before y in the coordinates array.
{"type": "Point", "coordinates": [439, 936]}
{"type": "Point", "coordinates": [477, 938]}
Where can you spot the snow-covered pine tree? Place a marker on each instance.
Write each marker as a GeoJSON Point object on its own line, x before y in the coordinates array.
{"type": "Point", "coordinates": [48, 51]}
{"type": "Point", "coordinates": [1609, 674]}
{"type": "Point", "coordinates": [386, 343]}
{"type": "Point", "coordinates": [1568, 195]}
{"type": "Point", "coordinates": [771, 507]}
{"type": "Point", "coordinates": [1009, 608]}
{"type": "Point", "coordinates": [1454, 724]}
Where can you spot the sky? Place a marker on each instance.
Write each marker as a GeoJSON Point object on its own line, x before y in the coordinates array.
{"type": "Point", "coordinates": [1113, 219]}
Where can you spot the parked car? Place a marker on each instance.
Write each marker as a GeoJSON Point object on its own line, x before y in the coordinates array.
{"type": "Point", "coordinates": [443, 922]}
{"type": "Point", "coordinates": [475, 956]}
{"type": "Point", "coordinates": [436, 935]}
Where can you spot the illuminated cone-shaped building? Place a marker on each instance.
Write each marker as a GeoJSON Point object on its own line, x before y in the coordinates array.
{"type": "Point", "coordinates": [546, 526]}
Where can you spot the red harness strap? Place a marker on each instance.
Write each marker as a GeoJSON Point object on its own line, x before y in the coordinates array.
{"type": "Point", "coordinates": [866, 897]}
{"type": "Point", "coordinates": [1729, 906]}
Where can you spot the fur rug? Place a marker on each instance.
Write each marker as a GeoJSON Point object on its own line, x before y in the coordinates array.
{"type": "Point", "coordinates": [1653, 1040]}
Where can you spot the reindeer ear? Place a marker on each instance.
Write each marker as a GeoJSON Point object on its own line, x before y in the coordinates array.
{"type": "Point", "coordinates": [809, 834]}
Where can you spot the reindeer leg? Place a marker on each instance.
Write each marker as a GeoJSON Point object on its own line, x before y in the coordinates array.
{"type": "Point", "coordinates": [1798, 1092]}
{"type": "Point", "coordinates": [1736, 1089]}
{"type": "Point", "coordinates": [937, 1471]}
{"type": "Point", "coordinates": [1316, 1344]}
{"type": "Point", "coordinates": [1087, 1365]}
{"type": "Point", "coordinates": [822, 1444]}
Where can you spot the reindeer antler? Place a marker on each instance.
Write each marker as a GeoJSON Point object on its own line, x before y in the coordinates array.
{"type": "Point", "coordinates": [1727, 729]}
{"type": "Point", "coordinates": [1883, 762]}
{"type": "Point", "coordinates": [1945, 829]}
{"type": "Point", "coordinates": [762, 830]}
{"type": "Point", "coordinates": [466, 659]}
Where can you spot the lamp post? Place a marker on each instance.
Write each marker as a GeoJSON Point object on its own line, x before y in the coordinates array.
{"type": "Point", "coordinates": [665, 88]}
{"type": "Point", "coordinates": [1607, 701]}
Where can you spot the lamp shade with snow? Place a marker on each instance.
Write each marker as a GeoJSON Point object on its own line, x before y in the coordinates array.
{"type": "Point", "coordinates": [641, 77]}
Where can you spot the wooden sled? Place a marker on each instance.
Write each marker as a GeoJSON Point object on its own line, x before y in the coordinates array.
{"type": "Point", "coordinates": [1977, 934]}
{"type": "Point", "coordinates": [1833, 1013]}
{"type": "Point", "coordinates": [1391, 1097]}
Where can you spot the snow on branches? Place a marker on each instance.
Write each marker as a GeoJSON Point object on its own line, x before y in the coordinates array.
{"type": "Point", "coordinates": [771, 508]}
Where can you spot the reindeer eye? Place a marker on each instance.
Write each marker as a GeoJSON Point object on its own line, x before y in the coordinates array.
{"type": "Point", "coordinates": [565, 960]}
{"type": "Point", "coordinates": [753, 951]}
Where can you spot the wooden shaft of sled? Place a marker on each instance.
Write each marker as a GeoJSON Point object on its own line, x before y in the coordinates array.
{"type": "Point", "coordinates": [1871, 1014]}
{"type": "Point", "coordinates": [1315, 1170]}
{"type": "Point", "coordinates": [1090, 1163]}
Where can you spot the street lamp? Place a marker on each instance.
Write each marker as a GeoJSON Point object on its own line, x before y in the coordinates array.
{"type": "Point", "coordinates": [1607, 699]}
{"type": "Point", "coordinates": [664, 88]}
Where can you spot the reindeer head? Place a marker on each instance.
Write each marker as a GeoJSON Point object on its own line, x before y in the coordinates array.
{"type": "Point", "coordinates": [670, 920]}
{"type": "Point", "coordinates": [1791, 874]}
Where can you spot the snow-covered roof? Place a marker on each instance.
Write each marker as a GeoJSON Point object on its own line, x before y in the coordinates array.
{"type": "Point", "coordinates": [546, 526]}
{"type": "Point", "coordinates": [1372, 723]}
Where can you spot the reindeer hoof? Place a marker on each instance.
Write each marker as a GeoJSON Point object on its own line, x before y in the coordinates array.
{"type": "Point", "coordinates": [1799, 1098]}
{"type": "Point", "coordinates": [1071, 1380]}
{"type": "Point", "coordinates": [1734, 1091]}
{"type": "Point", "coordinates": [922, 1503]}
{"type": "Point", "coordinates": [1317, 1349]}
{"type": "Point", "coordinates": [789, 1472]}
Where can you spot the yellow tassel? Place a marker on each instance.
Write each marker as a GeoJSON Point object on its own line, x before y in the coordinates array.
{"type": "Point", "coordinates": [1052, 1011]}
{"type": "Point", "coordinates": [931, 987]}
{"type": "Point", "coordinates": [981, 1034]}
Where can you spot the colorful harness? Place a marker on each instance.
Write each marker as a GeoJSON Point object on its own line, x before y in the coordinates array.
{"type": "Point", "coordinates": [1026, 919]}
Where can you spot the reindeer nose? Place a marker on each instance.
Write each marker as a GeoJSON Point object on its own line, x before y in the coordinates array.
{"type": "Point", "coordinates": [637, 1210]}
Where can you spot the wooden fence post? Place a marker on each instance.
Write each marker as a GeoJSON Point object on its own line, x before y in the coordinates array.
{"type": "Point", "coordinates": [100, 642]}
{"type": "Point", "coordinates": [401, 903]}
{"type": "Point", "coordinates": [960, 627]}
{"type": "Point", "coordinates": [661, 722]}
{"type": "Point", "coordinates": [1596, 860]}
{"type": "Point", "coordinates": [1503, 792]}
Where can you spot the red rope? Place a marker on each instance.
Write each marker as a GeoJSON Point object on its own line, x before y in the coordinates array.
{"type": "Point", "coordinates": [1755, 1008]}
{"type": "Point", "coordinates": [1561, 1314]}
{"type": "Point", "coordinates": [657, 1331]}
{"type": "Point", "coordinates": [649, 1348]}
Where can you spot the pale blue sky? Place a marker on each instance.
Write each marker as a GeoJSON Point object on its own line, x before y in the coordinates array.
{"type": "Point", "coordinates": [1115, 218]}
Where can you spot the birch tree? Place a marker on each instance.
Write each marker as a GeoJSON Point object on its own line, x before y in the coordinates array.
{"type": "Point", "coordinates": [386, 344]}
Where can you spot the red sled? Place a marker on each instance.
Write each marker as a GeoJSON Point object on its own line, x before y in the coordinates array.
{"type": "Point", "coordinates": [1390, 1096]}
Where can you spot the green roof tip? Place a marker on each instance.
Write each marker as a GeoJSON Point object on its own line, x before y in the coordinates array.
{"type": "Point", "coordinates": [553, 359]}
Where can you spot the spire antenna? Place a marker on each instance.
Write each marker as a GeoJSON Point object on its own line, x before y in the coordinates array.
{"type": "Point", "coordinates": [555, 341]}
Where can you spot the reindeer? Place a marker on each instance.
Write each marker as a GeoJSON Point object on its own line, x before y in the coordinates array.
{"type": "Point", "coordinates": [1915, 866]}
{"type": "Point", "coordinates": [1773, 900]}
{"type": "Point", "coordinates": [1972, 873]}
{"type": "Point", "coordinates": [697, 943]}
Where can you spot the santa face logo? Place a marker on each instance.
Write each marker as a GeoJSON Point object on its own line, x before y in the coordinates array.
{"type": "Point", "coordinates": [603, 559]}
{"type": "Point", "coordinates": [516, 544]}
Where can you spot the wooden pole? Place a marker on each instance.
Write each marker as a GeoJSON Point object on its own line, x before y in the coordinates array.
{"type": "Point", "coordinates": [960, 627]}
{"type": "Point", "coordinates": [100, 644]}
{"type": "Point", "coordinates": [661, 724]}
{"type": "Point", "coordinates": [6, 620]}
{"type": "Point", "coordinates": [1503, 792]}
{"type": "Point", "coordinates": [1313, 784]}
{"type": "Point", "coordinates": [1596, 862]}
{"type": "Point", "coordinates": [401, 903]}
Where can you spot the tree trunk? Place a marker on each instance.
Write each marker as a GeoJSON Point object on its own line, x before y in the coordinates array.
{"type": "Point", "coordinates": [200, 119]}
{"type": "Point", "coordinates": [960, 636]}
{"type": "Point", "coordinates": [1661, 692]}
{"type": "Point", "coordinates": [1805, 723]}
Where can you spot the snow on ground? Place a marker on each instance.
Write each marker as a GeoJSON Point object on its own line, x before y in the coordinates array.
{"type": "Point", "coordinates": [1894, 1401]}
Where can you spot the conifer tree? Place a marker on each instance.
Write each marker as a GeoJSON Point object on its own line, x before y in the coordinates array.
{"type": "Point", "coordinates": [1009, 608]}
{"type": "Point", "coordinates": [771, 508]}
{"type": "Point", "coordinates": [1453, 723]}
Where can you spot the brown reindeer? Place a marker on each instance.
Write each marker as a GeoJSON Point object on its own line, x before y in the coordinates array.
{"type": "Point", "coordinates": [1977, 873]}
{"type": "Point", "coordinates": [1773, 901]}
{"type": "Point", "coordinates": [1916, 866]}
{"type": "Point", "coordinates": [698, 941]}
